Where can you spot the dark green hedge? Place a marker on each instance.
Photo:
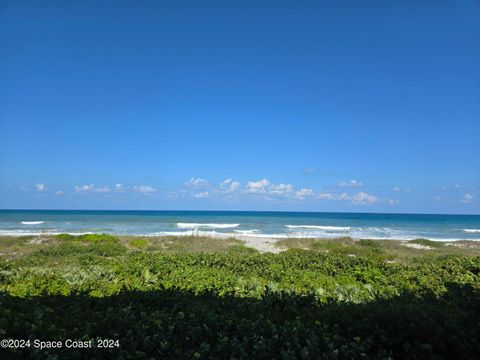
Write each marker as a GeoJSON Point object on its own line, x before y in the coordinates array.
{"type": "Point", "coordinates": [294, 305]}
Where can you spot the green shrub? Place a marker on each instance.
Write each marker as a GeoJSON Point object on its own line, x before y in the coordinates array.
{"type": "Point", "coordinates": [240, 304]}
{"type": "Point", "coordinates": [77, 248]}
{"type": "Point", "coordinates": [138, 243]}
{"type": "Point", "coordinates": [371, 244]}
{"type": "Point", "coordinates": [242, 249]}
{"type": "Point", "coordinates": [92, 238]}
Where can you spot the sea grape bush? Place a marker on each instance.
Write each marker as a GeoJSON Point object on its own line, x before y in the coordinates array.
{"type": "Point", "coordinates": [294, 305]}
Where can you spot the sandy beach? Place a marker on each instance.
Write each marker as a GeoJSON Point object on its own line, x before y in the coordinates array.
{"type": "Point", "coordinates": [262, 244]}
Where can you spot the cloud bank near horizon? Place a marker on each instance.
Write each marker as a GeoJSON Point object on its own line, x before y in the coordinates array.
{"type": "Point", "coordinates": [200, 191]}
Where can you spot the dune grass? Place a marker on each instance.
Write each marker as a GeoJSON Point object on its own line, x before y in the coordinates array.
{"type": "Point", "coordinates": [389, 250]}
{"type": "Point", "coordinates": [15, 246]}
{"type": "Point", "coordinates": [183, 244]}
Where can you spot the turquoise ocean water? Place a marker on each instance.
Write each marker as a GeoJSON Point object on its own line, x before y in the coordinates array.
{"type": "Point", "coordinates": [258, 224]}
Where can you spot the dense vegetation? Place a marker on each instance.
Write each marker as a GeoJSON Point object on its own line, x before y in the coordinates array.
{"type": "Point", "coordinates": [238, 303]}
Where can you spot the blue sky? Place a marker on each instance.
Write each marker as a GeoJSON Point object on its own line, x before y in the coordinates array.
{"type": "Point", "coordinates": [321, 106]}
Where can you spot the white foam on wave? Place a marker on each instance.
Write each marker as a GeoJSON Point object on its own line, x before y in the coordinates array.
{"type": "Point", "coordinates": [32, 222]}
{"type": "Point", "coordinates": [245, 232]}
{"type": "Point", "coordinates": [19, 232]}
{"type": "Point", "coordinates": [40, 232]}
{"type": "Point", "coordinates": [471, 231]}
{"type": "Point", "coordinates": [211, 226]}
{"type": "Point", "coordinates": [217, 234]}
{"type": "Point", "coordinates": [308, 235]}
{"type": "Point", "coordinates": [320, 227]}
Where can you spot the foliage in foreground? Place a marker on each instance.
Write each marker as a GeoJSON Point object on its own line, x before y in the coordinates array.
{"type": "Point", "coordinates": [238, 304]}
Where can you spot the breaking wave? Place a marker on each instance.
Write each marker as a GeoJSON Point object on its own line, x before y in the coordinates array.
{"type": "Point", "coordinates": [209, 226]}
{"type": "Point", "coordinates": [320, 227]}
{"type": "Point", "coordinates": [245, 232]}
{"type": "Point", "coordinates": [471, 231]}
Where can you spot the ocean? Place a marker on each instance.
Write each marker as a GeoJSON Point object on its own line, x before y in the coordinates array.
{"type": "Point", "coordinates": [251, 223]}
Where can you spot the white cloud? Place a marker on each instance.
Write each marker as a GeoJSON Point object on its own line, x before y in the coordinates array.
{"type": "Point", "coordinates": [83, 188]}
{"type": "Point", "coordinates": [201, 195]}
{"type": "Point", "coordinates": [396, 189]}
{"type": "Point", "coordinates": [197, 183]}
{"type": "Point", "coordinates": [91, 188]}
{"type": "Point", "coordinates": [228, 185]}
{"type": "Point", "coordinates": [104, 189]}
{"type": "Point", "coordinates": [259, 186]}
{"type": "Point", "coordinates": [280, 189]}
{"type": "Point", "coordinates": [303, 193]}
{"type": "Point", "coordinates": [358, 198]}
{"type": "Point", "coordinates": [350, 183]}
{"type": "Point", "coordinates": [40, 187]}
{"type": "Point", "coordinates": [436, 198]}
{"type": "Point", "coordinates": [392, 202]}
{"type": "Point", "coordinates": [119, 188]}
{"type": "Point", "coordinates": [264, 186]}
{"type": "Point", "coordinates": [144, 189]}
{"type": "Point", "coordinates": [333, 196]}
{"type": "Point", "coordinates": [60, 193]}
{"type": "Point", "coordinates": [200, 188]}
{"type": "Point", "coordinates": [467, 198]}
{"type": "Point", "coordinates": [364, 198]}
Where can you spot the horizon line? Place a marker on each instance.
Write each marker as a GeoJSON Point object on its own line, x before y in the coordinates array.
{"type": "Point", "coordinates": [259, 211]}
